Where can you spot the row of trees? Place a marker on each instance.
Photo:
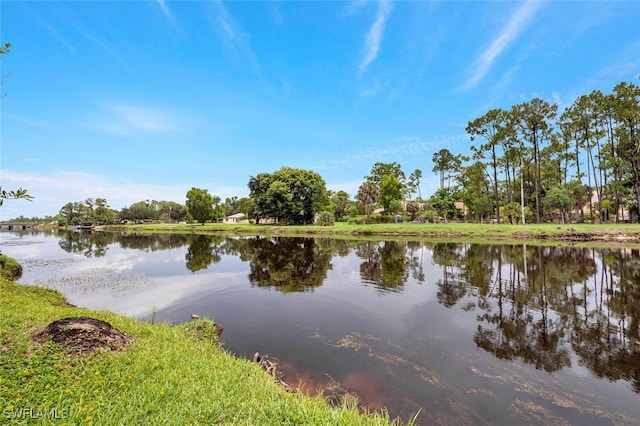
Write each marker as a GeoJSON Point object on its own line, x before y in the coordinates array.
{"type": "Point", "coordinates": [524, 162]}
{"type": "Point", "coordinates": [99, 212]}
{"type": "Point", "coordinates": [544, 161]}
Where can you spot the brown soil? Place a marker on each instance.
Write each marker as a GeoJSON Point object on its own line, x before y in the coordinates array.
{"type": "Point", "coordinates": [81, 335]}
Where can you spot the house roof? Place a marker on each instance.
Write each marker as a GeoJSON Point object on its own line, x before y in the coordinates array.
{"type": "Point", "coordinates": [236, 216]}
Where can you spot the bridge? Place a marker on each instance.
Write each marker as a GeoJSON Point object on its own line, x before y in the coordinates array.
{"type": "Point", "coordinates": [15, 226]}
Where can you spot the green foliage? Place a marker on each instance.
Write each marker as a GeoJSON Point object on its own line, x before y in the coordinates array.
{"type": "Point", "coordinates": [368, 195]}
{"type": "Point", "coordinates": [558, 198]}
{"type": "Point", "coordinates": [200, 205]}
{"type": "Point", "coordinates": [414, 183]}
{"type": "Point", "coordinates": [357, 220]}
{"type": "Point", "coordinates": [342, 204]}
{"type": "Point", "coordinates": [447, 165]}
{"type": "Point", "coordinates": [325, 219]}
{"type": "Point", "coordinates": [379, 170]}
{"type": "Point", "coordinates": [430, 215]}
{"type": "Point", "coordinates": [14, 195]}
{"type": "Point", "coordinates": [413, 208]}
{"type": "Point", "coordinates": [89, 210]}
{"type": "Point", "coordinates": [293, 196]}
{"type": "Point", "coordinates": [390, 193]}
{"type": "Point", "coordinates": [10, 269]}
{"type": "Point", "coordinates": [444, 203]}
{"type": "Point", "coordinates": [163, 211]}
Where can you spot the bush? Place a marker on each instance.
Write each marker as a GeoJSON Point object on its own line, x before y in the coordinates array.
{"type": "Point", "coordinates": [357, 220]}
{"type": "Point", "coordinates": [429, 216]}
{"type": "Point", "coordinates": [325, 219]}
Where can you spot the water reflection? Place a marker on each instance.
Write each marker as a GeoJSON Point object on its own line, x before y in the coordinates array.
{"type": "Point", "coordinates": [287, 264]}
{"type": "Point", "coordinates": [203, 250]}
{"type": "Point", "coordinates": [552, 308]}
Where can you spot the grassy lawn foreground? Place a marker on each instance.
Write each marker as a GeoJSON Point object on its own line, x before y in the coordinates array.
{"type": "Point", "coordinates": [166, 376]}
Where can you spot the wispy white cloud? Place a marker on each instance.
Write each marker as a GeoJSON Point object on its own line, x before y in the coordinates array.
{"type": "Point", "coordinates": [28, 121]}
{"type": "Point", "coordinates": [514, 27]}
{"type": "Point", "coordinates": [375, 35]}
{"type": "Point", "coordinates": [128, 119]}
{"type": "Point", "coordinates": [167, 13]}
{"type": "Point", "coordinates": [233, 33]}
{"type": "Point", "coordinates": [54, 32]}
{"type": "Point", "coordinates": [370, 91]}
{"type": "Point", "coordinates": [625, 66]}
{"type": "Point", "coordinates": [407, 145]}
{"type": "Point", "coordinates": [276, 15]}
{"type": "Point", "coordinates": [354, 7]}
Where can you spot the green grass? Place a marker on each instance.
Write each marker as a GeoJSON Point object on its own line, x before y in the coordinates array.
{"type": "Point", "coordinates": [9, 268]}
{"type": "Point", "coordinates": [165, 377]}
{"type": "Point", "coordinates": [625, 233]}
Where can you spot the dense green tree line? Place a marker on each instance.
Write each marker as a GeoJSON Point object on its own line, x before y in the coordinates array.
{"type": "Point", "coordinates": [552, 163]}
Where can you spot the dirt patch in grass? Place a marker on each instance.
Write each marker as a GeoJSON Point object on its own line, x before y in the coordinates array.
{"type": "Point", "coordinates": [82, 335]}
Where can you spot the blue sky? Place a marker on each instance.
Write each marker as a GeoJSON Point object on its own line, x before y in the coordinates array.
{"type": "Point", "coordinates": [136, 100]}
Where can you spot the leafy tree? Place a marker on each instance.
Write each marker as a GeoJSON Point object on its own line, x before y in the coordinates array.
{"type": "Point", "coordinates": [71, 213]}
{"type": "Point", "coordinates": [414, 182]}
{"type": "Point", "coordinates": [446, 164]}
{"type": "Point", "coordinates": [444, 202]}
{"type": "Point", "coordinates": [246, 206]}
{"type": "Point", "coordinates": [139, 210]}
{"type": "Point", "coordinates": [627, 114]}
{"type": "Point", "coordinates": [102, 213]}
{"type": "Point", "coordinates": [342, 202]}
{"type": "Point", "coordinates": [475, 189]}
{"type": "Point", "coordinates": [368, 195]}
{"type": "Point", "coordinates": [200, 204]}
{"type": "Point", "coordinates": [489, 127]}
{"type": "Point", "coordinates": [533, 121]}
{"type": "Point", "coordinates": [379, 170]}
{"type": "Point", "coordinates": [170, 211]}
{"type": "Point", "coordinates": [390, 193]}
{"type": "Point", "coordinates": [413, 208]}
{"type": "Point", "coordinates": [559, 198]}
{"type": "Point", "coordinates": [230, 205]}
{"type": "Point", "coordinates": [291, 195]}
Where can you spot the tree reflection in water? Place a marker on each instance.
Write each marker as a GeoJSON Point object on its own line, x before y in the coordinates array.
{"type": "Point", "coordinates": [536, 304]}
{"type": "Point", "coordinates": [386, 264]}
{"type": "Point", "coordinates": [287, 264]}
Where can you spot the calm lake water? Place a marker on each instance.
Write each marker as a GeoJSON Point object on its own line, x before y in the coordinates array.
{"type": "Point", "coordinates": [461, 333]}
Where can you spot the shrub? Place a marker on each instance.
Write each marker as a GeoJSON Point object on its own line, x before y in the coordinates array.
{"type": "Point", "coordinates": [325, 219]}
{"type": "Point", "coordinates": [357, 220]}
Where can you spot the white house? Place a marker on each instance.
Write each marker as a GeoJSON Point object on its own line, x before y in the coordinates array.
{"type": "Point", "coordinates": [236, 218]}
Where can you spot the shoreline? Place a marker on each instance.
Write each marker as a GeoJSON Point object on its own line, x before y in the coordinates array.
{"type": "Point", "coordinates": [618, 234]}
{"type": "Point", "coordinates": [164, 374]}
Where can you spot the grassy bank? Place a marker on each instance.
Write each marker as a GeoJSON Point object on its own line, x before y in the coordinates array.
{"type": "Point", "coordinates": [166, 376]}
{"type": "Point", "coordinates": [626, 233]}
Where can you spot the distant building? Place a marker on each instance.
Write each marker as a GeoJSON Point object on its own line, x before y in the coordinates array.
{"type": "Point", "coordinates": [236, 218]}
